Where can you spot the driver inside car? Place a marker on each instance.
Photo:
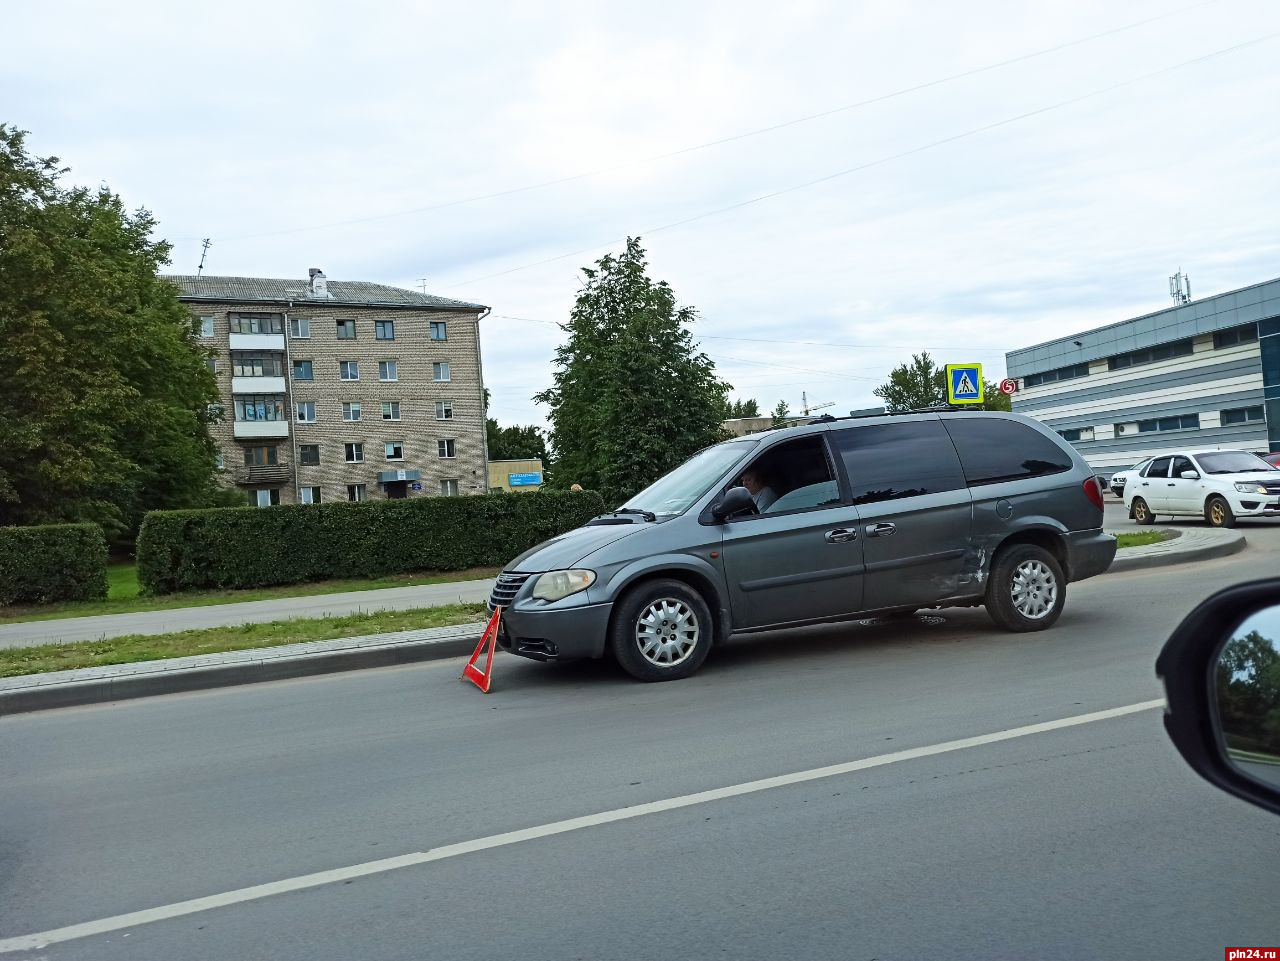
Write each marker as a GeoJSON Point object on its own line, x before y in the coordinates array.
{"type": "Point", "coordinates": [757, 486]}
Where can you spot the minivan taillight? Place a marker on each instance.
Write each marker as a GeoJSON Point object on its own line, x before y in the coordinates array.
{"type": "Point", "coordinates": [1093, 490]}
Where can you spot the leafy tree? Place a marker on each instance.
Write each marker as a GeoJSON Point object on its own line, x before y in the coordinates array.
{"type": "Point", "coordinates": [105, 402]}
{"type": "Point", "coordinates": [517, 442]}
{"type": "Point", "coordinates": [922, 383]}
{"type": "Point", "coordinates": [781, 413]}
{"type": "Point", "coordinates": [632, 398]}
{"type": "Point", "coordinates": [741, 408]}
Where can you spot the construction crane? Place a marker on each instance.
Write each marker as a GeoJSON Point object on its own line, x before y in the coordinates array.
{"type": "Point", "coordinates": [810, 408]}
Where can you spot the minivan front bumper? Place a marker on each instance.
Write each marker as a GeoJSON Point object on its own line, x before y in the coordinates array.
{"type": "Point", "coordinates": [554, 632]}
{"type": "Point", "coordinates": [1089, 553]}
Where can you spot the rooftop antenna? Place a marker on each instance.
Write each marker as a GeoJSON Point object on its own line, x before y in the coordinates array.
{"type": "Point", "coordinates": [1176, 288]}
{"type": "Point", "coordinates": [206, 244]}
{"type": "Point", "coordinates": [422, 284]}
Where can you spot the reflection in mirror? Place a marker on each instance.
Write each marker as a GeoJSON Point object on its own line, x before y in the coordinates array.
{"type": "Point", "coordinates": [1248, 697]}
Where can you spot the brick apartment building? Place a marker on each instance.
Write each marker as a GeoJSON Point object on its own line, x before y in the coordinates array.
{"type": "Point", "coordinates": [342, 390]}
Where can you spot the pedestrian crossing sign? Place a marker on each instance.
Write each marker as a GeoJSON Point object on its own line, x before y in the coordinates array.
{"type": "Point", "coordinates": [964, 384]}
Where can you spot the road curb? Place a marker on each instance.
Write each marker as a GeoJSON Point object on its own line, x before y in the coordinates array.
{"type": "Point", "coordinates": [43, 692]}
{"type": "Point", "coordinates": [1192, 545]}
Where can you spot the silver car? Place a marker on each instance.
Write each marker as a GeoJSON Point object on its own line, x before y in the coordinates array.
{"type": "Point", "coordinates": [811, 524]}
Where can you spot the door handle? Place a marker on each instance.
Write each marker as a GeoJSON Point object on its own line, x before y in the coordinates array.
{"type": "Point", "coordinates": [840, 535]}
{"type": "Point", "coordinates": [883, 529]}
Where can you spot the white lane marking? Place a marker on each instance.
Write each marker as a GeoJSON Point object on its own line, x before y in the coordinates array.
{"type": "Point", "coordinates": [29, 942]}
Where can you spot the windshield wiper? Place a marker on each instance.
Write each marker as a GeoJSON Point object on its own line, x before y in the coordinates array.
{"type": "Point", "coordinates": [647, 515]}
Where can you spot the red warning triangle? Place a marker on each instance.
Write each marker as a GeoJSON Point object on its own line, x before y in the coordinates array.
{"type": "Point", "coordinates": [472, 673]}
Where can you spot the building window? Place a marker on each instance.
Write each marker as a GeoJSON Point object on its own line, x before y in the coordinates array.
{"type": "Point", "coordinates": [394, 449]}
{"type": "Point", "coordinates": [213, 365]}
{"type": "Point", "coordinates": [264, 498]}
{"type": "Point", "coordinates": [351, 410]}
{"type": "Point", "coordinates": [257, 324]}
{"type": "Point", "coordinates": [259, 407]}
{"type": "Point", "coordinates": [444, 410]}
{"type": "Point", "coordinates": [206, 326]}
{"type": "Point", "coordinates": [261, 456]}
{"type": "Point", "coordinates": [1074, 434]}
{"type": "Point", "coordinates": [440, 371]}
{"type": "Point", "coordinates": [305, 412]}
{"type": "Point", "coordinates": [1149, 355]}
{"type": "Point", "coordinates": [309, 454]}
{"type": "Point", "coordinates": [1247, 334]}
{"type": "Point", "coordinates": [355, 492]}
{"type": "Point", "coordinates": [1243, 415]}
{"type": "Point", "coordinates": [245, 364]}
{"type": "Point", "coordinates": [219, 461]}
{"type": "Point", "coordinates": [387, 370]}
{"type": "Point", "coordinates": [445, 447]}
{"type": "Point", "coordinates": [303, 370]}
{"type": "Point", "coordinates": [311, 495]}
{"type": "Point", "coordinates": [346, 330]}
{"type": "Point", "coordinates": [355, 453]}
{"type": "Point", "coordinates": [439, 330]}
{"type": "Point", "coordinates": [300, 327]}
{"type": "Point", "coordinates": [1050, 376]}
{"type": "Point", "coordinates": [384, 330]}
{"type": "Point", "coordinates": [349, 369]}
{"type": "Point", "coordinates": [1162, 424]}
{"type": "Point", "coordinates": [449, 488]}
{"type": "Point", "coordinates": [391, 410]}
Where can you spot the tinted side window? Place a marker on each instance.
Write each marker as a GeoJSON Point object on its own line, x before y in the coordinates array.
{"type": "Point", "coordinates": [1180, 464]}
{"type": "Point", "coordinates": [1158, 467]}
{"type": "Point", "coordinates": [994, 450]}
{"type": "Point", "coordinates": [889, 461]}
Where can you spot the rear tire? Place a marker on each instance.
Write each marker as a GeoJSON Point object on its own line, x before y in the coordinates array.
{"type": "Point", "coordinates": [1026, 590]}
{"type": "Point", "coordinates": [661, 631]}
{"type": "Point", "coordinates": [1141, 512]}
{"type": "Point", "coordinates": [1218, 512]}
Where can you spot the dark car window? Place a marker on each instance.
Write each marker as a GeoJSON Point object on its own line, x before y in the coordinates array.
{"type": "Point", "coordinates": [889, 461]}
{"type": "Point", "coordinates": [1180, 464]}
{"type": "Point", "coordinates": [1158, 467]}
{"type": "Point", "coordinates": [994, 450]}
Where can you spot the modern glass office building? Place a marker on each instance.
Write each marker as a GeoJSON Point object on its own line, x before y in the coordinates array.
{"type": "Point", "coordinates": [1201, 375]}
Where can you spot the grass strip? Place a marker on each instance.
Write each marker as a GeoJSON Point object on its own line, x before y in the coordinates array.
{"type": "Point", "coordinates": [151, 647]}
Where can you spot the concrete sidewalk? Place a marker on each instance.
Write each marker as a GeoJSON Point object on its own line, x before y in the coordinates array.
{"type": "Point", "coordinates": [1187, 544]}
{"type": "Point", "coordinates": [70, 629]}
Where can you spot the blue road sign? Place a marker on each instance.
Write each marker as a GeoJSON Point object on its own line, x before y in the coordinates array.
{"type": "Point", "coordinates": [964, 384]}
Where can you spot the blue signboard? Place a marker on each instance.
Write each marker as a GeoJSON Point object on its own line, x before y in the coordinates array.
{"type": "Point", "coordinates": [524, 480]}
{"type": "Point", "coordinates": [964, 384]}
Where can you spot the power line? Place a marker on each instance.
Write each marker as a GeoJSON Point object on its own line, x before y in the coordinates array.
{"type": "Point", "coordinates": [880, 161]}
{"type": "Point", "coordinates": [759, 131]}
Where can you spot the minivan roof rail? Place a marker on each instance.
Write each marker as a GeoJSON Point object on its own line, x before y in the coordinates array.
{"type": "Point", "coordinates": [943, 409]}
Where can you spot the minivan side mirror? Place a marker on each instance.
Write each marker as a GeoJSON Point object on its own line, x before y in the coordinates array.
{"type": "Point", "coordinates": [1190, 475]}
{"type": "Point", "coordinates": [736, 500]}
{"type": "Point", "coordinates": [1221, 671]}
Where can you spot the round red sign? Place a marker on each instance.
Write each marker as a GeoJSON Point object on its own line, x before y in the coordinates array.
{"type": "Point", "coordinates": [1008, 386]}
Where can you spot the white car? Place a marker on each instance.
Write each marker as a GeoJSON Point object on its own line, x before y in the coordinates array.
{"type": "Point", "coordinates": [1119, 478]}
{"type": "Point", "coordinates": [1218, 485]}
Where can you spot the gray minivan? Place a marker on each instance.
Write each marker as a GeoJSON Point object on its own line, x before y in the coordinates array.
{"type": "Point", "coordinates": [844, 518]}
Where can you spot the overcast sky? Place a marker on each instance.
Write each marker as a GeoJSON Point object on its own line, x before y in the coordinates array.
{"type": "Point", "coordinates": [320, 135]}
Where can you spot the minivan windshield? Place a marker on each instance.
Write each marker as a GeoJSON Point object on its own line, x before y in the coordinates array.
{"type": "Point", "coordinates": [673, 493]}
{"type": "Point", "coordinates": [1232, 462]}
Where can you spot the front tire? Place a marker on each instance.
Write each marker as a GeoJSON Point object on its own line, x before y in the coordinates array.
{"type": "Point", "coordinates": [1218, 513]}
{"type": "Point", "coordinates": [1141, 512]}
{"type": "Point", "coordinates": [661, 631]}
{"type": "Point", "coordinates": [1026, 590]}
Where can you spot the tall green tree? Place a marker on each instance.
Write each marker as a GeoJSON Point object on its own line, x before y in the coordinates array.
{"type": "Point", "coordinates": [105, 398]}
{"type": "Point", "coordinates": [741, 408]}
{"type": "Point", "coordinates": [922, 383]}
{"type": "Point", "coordinates": [781, 413]}
{"type": "Point", "coordinates": [516, 442]}
{"type": "Point", "coordinates": [632, 397]}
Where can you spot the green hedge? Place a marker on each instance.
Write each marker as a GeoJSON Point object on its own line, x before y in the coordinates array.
{"type": "Point", "coordinates": [54, 562]}
{"type": "Point", "coordinates": [254, 547]}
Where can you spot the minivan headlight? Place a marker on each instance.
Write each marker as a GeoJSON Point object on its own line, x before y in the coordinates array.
{"type": "Point", "coordinates": [554, 585]}
{"type": "Point", "coordinates": [1251, 487]}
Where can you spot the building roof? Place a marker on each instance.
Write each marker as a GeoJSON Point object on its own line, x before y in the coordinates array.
{"type": "Point", "coordinates": [1233, 308]}
{"type": "Point", "coordinates": [275, 290]}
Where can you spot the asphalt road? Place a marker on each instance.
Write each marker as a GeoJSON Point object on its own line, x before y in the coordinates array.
{"type": "Point", "coordinates": [29, 633]}
{"type": "Point", "coordinates": [1088, 841]}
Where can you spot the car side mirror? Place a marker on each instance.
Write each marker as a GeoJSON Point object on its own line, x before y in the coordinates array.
{"type": "Point", "coordinates": [736, 500]}
{"type": "Point", "coordinates": [1221, 671]}
{"type": "Point", "coordinates": [1190, 475]}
